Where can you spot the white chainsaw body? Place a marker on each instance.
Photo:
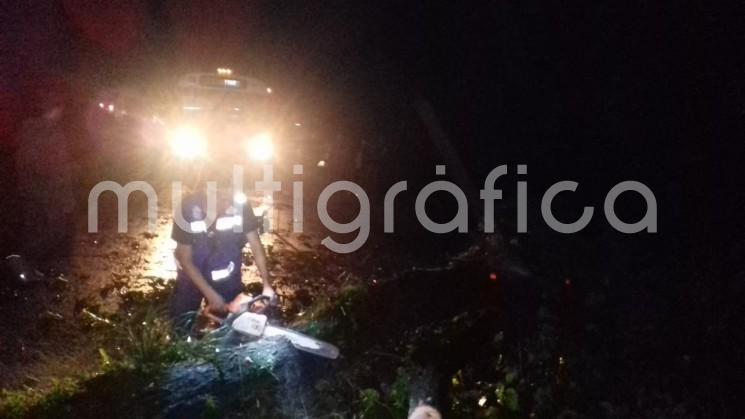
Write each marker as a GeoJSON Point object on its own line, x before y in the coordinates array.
{"type": "Point", "coordinates": [251, 324]}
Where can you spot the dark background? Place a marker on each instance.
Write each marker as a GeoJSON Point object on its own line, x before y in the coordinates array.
{"type": "Point", "coordinates": [596, 93]}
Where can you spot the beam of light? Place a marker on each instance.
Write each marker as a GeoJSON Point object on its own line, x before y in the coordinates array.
{"type": "Point", "coordinates": [188, 143]}
{"type": "Point", "coordinates": [240, 198]}
{"type": "Point", "coordinates": [160, 262]}
{"type": "Point", "coordinates": [260, 147]}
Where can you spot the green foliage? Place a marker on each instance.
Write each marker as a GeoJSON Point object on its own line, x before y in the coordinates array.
{"type": "Point", "coordinates": [210, 409]}
{"type": "Point", "coordinates": [370, 405]}
{"type": "Point", "coordinates": [398, 397]}
{"type": "Point", "coordinates": [142, 344]}
{"type": "Point", "coordinates": [146, 338]}
{"type": "Point", "coordinates": [393, 404]}
{"type": "Point", "coordinates": [44, 403]}
{"type": "Point", "coordinates": [507, 397]}
{"type": "Point", "coordinates": [105, 359]}
{"type": "Point", "coordinates": [15, 404]}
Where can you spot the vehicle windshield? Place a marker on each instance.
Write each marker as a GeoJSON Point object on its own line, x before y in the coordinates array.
{"type": "Point", "coordinates": [223, 102]}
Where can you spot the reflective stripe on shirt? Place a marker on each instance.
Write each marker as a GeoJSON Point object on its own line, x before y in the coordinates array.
{"type": "Point", "coordinates": [223, 273]}
{"type": "Point", "coordinates": [227, 223]}
{"type": "Point", "coordinates": [198, 226]}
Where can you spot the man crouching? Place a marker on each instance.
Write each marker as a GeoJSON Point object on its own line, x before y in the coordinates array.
{"type": "Point", "coordinates": [209, 256]}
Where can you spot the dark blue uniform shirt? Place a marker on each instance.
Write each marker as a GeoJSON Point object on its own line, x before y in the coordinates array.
{"type": "Point", "coordinates": [216, 249]}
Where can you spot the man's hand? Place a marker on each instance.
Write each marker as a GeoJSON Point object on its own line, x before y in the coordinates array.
{"type": "Point", "coordinates": [269, 292]}
{"type": "Point", "coordinates": [183, 254]}
{"type": "Point", "coordinates": [235, 305]}
{"type": "Point", "coordinates": [215, 302]}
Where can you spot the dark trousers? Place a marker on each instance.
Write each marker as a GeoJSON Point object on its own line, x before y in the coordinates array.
{"type": "Point", "coordinates": [186, 298]}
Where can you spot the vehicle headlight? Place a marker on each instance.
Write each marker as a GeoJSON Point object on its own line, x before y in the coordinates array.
{"type": "Point", "coordinates": [188, 143]}
{"type": "Point", "coordinates": [260, 147]}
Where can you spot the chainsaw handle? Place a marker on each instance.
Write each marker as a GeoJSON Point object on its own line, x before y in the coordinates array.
{"type": "Point", "coordinates": [245, 307]}
{"type": "Point", "coordinates": [255, 300]}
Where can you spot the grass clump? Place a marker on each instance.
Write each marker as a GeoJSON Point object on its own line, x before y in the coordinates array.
{"type": "Point", "coordinates": [43, 403]}
{"type": "Point", "coordinates": [135, 348]}
{"type": "Point", "coordinates": [393, 403]}
{"type": "Point", "coordinates": [146, 341]}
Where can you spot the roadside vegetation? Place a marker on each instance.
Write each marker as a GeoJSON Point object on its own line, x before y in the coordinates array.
{"type": "Point", "coordinates": [481, 337]}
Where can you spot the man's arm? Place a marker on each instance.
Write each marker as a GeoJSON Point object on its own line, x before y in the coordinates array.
{"type": "Point", "coordinates": [183, 255]}
{"type": "Point", "coordinates": [257, 249]}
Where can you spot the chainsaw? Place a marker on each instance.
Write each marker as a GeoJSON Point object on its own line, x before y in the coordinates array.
{"type": "Point", "coordinates": [254, 324]}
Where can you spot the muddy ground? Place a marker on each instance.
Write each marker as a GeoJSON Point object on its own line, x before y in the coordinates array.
{"type": "Point", "coordinates": [64, 325]}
